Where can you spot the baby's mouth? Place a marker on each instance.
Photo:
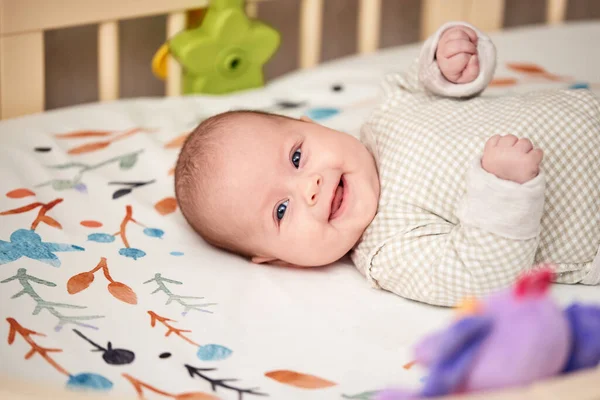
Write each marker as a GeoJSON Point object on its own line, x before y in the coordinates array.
{"type": "Point", "coordinates": [338, 197]}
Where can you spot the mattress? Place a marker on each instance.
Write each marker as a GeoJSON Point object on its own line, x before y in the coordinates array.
{"type": "Point", "coordinates": [104, 287]}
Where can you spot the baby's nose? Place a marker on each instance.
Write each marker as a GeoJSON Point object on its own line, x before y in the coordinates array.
{"type": "Point", "coordinates": [313, 189]}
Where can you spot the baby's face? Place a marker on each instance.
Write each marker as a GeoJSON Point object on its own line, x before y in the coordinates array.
{"type": "Point", "coordinates": [304, 192]}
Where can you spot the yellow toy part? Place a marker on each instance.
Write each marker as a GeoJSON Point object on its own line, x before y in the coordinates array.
{"type": "Point", "coordinates": [468, 306]}
{"type": "Point", "coordinates": [159, 62]}
{"type": "Point", "coordinates": [226, 53]}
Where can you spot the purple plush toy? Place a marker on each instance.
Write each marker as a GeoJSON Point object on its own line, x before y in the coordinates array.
{"type": "Point", "coordinates": [511, 339]}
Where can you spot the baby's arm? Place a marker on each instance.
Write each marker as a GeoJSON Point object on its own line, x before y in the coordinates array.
{"type": "Point", "coordinates": [457, 61]}
{"type": "Point", "coordinates": [496, 238]}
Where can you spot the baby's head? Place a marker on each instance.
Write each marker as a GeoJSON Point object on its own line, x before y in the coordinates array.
{"type": "Point", "coordinates": [276, 189]}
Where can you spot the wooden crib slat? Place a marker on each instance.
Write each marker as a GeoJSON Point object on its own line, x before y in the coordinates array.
{"type": "Point", "coordinates": [556, 11]}
{"type": "Point", "coordinates": [176, 22]}
{"type": "Point", "coordinates": [38, 15]}
{"type": "Point", "coordinates": [251, 10]}
{"type": "Point", "coordinates": [369, 25]}
{"type": "Point", "coordinates": [311, 28]}
{"type": "Point", "coordinates": [22, 74]}
{"type": "Point", "coordinates": [436, 12]}
{"type": "Point", "coordinates": [108, 61]}
{"type": "Point", "coordinates": [487, 15]}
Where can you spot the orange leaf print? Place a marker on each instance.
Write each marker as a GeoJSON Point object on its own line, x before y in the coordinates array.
{"type": "Point", "coordinates": [91, 224]}
{"type": "Point", "coordinates": [178, 142]}
{"type": "Point", "coordinates": [83, 134]}
{"type": "Point", "coordinates": [50, 221]}
{"type": "Point", "coordinates": [526, 68]}
{"type": "Point", "coordinates": [172, 171]}
{"type": "Point", "coordinates": [503, 82]}
{"type": "Point", "coordinates": [79, 282]}
{"type": "Point", "coordinates": [300, 380]}
{"type": "Point", "coordinates": [19, 193]}
{"type": "Point", "coordinates": [89, 147]}
{"type": "Point", "coordinates": [534, 70]}
{"type": "Point", "coordinates": [166, 206]}
{"type": "Point", "coordinates": [409, 365]}
{"type": "Point", "coordinates": [122, 292]}
{"type": "Point", "coordinates": [196, 396]}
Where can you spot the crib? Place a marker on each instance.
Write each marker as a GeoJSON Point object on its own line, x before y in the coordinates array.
{"type": "Point", "coordinates": [156, 294]}
{"type": "Point", "coordinates": [24, 22]}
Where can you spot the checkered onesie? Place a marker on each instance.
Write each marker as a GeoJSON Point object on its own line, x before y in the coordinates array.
{"type": "Point", "coordinates": [445, 228]}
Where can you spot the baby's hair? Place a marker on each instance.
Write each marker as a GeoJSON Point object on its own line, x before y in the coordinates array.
{"type": "Point", "coordinates": [194, 175]}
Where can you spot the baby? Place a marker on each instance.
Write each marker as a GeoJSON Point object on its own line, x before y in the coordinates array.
{"type": "Point", "coordinates": [447, 194]}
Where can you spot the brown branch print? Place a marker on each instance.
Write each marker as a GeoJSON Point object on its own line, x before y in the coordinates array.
{"type": "Point", "coordinates": [16, 328]}
{"type": "Point", "coordinates": [41, 217]}
{"type": "Point", "coordinates": [119, 290]}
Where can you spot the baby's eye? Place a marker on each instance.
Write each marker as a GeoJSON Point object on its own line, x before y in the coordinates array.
{"type": "Point", "coordinates": [296, 158]}
{"type": "Point", "coordinates": [280, 212]}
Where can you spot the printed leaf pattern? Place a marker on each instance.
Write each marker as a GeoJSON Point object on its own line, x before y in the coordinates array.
{"type": "Point", "coordinates": [526, 68]}
{"type": "Point", "coordinates": [533, 70]}
{"type": "Point", "coordinates": [91, 224]}
{"type": "Point", "coordinates": [100, 140]}
{"type": "Point", "coordinates": [130, 187]}
{"type": "Point", "coordinates": [500, 82]}
{"type": "Point", "coordinates": [88, 147]}
{"type": "Point", "coordinates": [82, 134]}
{"type": "Point", "coordinates": [26, 282]}
{"type": "Point", "coordinates": [19, 193]}
{"type": "Point", "coordinates": [118, 290]}
{"type": "Point", "coordinates": [121, 192]}
{"type": "Point", "coordinates": [196, 396]}
{"type": "Point", "coordinates": [128, 161]}
{"type": "Point", "coordinates": [362, 396]}
{"type": "Point", "coordinates": [122, 292]}
{"type": "Point", "coordinates": [166, 206]}
{"type": "Point", "coordinates": [95, 146]}
{"type": "Point", "coordinates": [300, 380]}
{"type": "Point", "coordinates": [79, 282]}
{"type": "Point", "coordinates": [50, 221]}
{"type": "Point", "coordinates": [63, 184]}
{"type": "Point", "coordinates": [140, 387]}
{"type": "Point", "coordinates": [41, 217]}
{"type": "Point", "coordinates": [20, 210]}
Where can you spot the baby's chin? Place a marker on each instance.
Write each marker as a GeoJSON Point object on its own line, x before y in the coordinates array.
{"type": "Point", "coordinates": [323, 258]}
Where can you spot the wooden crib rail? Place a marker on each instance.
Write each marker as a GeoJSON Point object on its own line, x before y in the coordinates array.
{"type": "Point", "coordinates": [23, 22]}
{"type": "Point", "coordinates": [22, 26]}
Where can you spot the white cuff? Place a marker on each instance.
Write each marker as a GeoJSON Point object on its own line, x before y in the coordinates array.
{"type": "Point", "coordinates": [432, 78]}
{"type": "Point", "coordinates": [593, 277]}
{"type": "Point", "coordinates": [502, 207]}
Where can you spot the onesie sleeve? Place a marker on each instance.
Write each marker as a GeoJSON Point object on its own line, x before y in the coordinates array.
{"type": "Point", "coordinates": [439, 262]}
{"type": "Point", "coordinates": [424, 74]}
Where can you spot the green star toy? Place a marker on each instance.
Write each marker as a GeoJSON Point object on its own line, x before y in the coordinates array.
{"type": "Point", "coordinates": [226, 53]}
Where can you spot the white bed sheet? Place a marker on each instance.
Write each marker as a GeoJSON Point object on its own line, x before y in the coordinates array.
{"type": "Point", "coordinates": [327, 322]}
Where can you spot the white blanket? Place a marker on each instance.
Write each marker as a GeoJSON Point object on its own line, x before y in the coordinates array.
{"type": "Point", "coordinates": [110, 258]}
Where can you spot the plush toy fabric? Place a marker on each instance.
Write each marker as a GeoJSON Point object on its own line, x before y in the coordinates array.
{"type": "Point", "coordinates": [511, 339]}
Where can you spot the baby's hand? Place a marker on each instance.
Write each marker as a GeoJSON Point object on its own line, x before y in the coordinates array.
{"type": "Point", "coordinates": [457, 55]}
{"type": "Point", "coordinates": [511, 159]}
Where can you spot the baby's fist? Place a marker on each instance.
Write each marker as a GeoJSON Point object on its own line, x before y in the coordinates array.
{"type": "Point", "coordinates": [511, 159]}
{"type": "Point", "coordinates": [456, 55]}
